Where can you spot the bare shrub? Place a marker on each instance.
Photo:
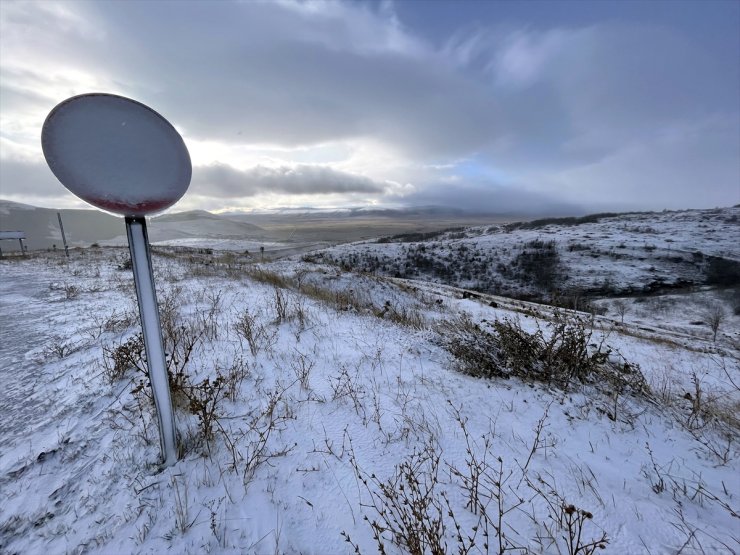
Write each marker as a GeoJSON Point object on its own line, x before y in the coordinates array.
{"type": "Point", "coordinates": [573, 521]}
{"type": "Point", "coordinates": [485, 484]}
{"type": "Point", "coordinates": [114, 322]}
{"type": "Point", "coordinates": [205, 402]}
{"type": "Point", "coordinates": [302, 365]}
{"type": "Point", "coordinates": [180, 337]}
{"type": "Point", "coordinates": [280, 304]}
{"type": "Point", "coordinates": [565, 356]}
{"type": "Point", "coordinates": [409, 510]}
{"type": "Point", "coordinates": [662, 479]}
{"type": "Point", "coordinates": [474, 349]}
{"type": "Point", "coordinates": [301, 311]}
{"type": "Point", "coordinates": [60, 348]}
{"type": "Point", "coordinates": [118, 359]}
{"type": "Point", "coordinates": [249, 446]}
{"type": "Point", "coordinates": [349, 386]}
{"type": "Point", "coordinates": [209, 307]}
{"type": "Point", "coordinates": [715, 315]}
{"type": "Point", "coordinates": [71, 291]}
{"type": "Point", "coordinates": [620, 307]}
{"type": "Point", "coordinates": [234, 376]}
{"type": "Point", "coordinates": [711, 419]}
{"type": "Point", "coordinates": [249, 329]}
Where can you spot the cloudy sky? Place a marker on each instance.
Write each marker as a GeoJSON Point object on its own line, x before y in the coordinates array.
{"type": "Point", "coordinates": [486, 106]}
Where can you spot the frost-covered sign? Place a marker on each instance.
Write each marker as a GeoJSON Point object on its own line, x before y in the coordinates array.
{"type": "Point", "coordinates": [121, 156]}
{"type": "Point", "coordinates": [12, 235]}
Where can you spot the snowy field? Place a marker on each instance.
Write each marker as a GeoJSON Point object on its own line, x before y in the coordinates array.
{"type": "Point", "coordinates": [323, 411]}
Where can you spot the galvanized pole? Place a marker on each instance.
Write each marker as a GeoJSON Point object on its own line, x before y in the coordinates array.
{"type": "Point", "coordinates": [64, 239]}
{"type": "Point", "coordinates": [141, 261]}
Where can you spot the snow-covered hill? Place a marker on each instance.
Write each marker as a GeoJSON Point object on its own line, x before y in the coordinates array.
{"type": "Point", "coordinates": [564, 258]}
{"type": "Point", "coordinates": [324, 411]}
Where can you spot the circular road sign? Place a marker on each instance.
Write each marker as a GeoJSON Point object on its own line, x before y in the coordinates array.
{"type": "Point", "coordinates": [116, 153]}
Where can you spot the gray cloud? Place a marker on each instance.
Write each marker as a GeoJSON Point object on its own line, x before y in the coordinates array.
{"type": "Point", "coordinates": [481, 197]}
{"type": "Point", "coordinates": [222, 180]}
{"type": "Point", "coordinates": [560, 110]}
{"type": "Point", "coordinates": [19, 178]}
{"type": "Point", "coordinates": [262, 72]}
{"type": "Point", "coordinates": [688, 166]}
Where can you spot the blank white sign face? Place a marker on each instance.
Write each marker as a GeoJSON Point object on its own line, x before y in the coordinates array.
{"type": "Point", "coordinates": [116, 153]}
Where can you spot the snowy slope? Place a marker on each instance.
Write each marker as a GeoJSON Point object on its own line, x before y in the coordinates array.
{"type": "Point", "coordinates": [348, 380]}
{"type": "Point", "coordinates": [626, 253]}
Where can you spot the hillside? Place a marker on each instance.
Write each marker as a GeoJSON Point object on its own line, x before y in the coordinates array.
{"type": "Point", "coordinates": [566, 258]}
{"type": "Point", "coordinates": [328, 411]}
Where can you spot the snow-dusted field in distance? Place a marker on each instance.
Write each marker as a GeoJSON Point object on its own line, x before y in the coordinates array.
{"type": "Point", "coordinates": [348, 380]}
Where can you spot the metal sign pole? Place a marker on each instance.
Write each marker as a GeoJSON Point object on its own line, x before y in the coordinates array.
{"type": "Point", "coordinates": [138, 243]}
{"type": "Point", "coordinates": [64, 238]}
{"type": "Point", "coordinates": [123, 157]}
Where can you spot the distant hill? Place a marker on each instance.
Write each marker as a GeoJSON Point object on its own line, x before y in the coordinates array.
{"type": "Point", "coordinates": [41, 226]}
{"type": "Point", "coordinates": [84, 227]}
{"type": "Point", "coordinates": [201, 224]}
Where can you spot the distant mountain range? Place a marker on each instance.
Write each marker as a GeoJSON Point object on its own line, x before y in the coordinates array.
{"type": "Point", "coordinates": [84, 227]}
{"type": "Point", "coordinates": [288, 227]}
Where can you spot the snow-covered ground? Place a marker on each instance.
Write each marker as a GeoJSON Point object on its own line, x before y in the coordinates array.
{"type": "Point", "coordinates": [345, 382]}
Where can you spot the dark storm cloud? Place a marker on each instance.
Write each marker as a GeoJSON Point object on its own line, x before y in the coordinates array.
{"type": "Point", "coordinates": [221, 180]}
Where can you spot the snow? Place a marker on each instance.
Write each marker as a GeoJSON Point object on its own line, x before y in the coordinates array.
{"type": "Point", "coordinates": [116, 154]}
{"type": "Point", "coordinates": [79, 464]}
